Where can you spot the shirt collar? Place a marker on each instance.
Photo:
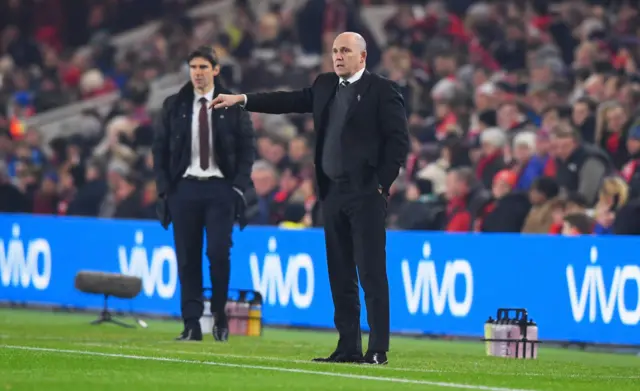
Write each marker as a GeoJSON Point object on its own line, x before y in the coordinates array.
{"type": "Point", "coordinates": [356, 76]}
{"type": "Point", "coordinates": [208, 95]}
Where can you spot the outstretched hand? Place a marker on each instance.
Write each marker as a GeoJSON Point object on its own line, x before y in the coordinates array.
{"type": "Point", "coordinates": [224, 100]}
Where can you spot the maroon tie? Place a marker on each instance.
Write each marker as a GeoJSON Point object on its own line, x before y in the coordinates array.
{"type": "Point", "coordinates": [203, 125]}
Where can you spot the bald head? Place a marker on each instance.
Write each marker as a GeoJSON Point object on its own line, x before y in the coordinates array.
{"type": "Point", "coordinates": [349, 54]}
{"type": "Point", "coordinates": [354, 38]}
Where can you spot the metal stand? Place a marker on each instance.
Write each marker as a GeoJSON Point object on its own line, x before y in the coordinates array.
{"type": "Point", "coordinates": [106, 317]}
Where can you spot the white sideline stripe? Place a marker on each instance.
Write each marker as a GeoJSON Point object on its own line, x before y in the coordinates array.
{"type": "Point", "coordinates": [264, 368]}
{"type": "Point", "coordinates": [382, 368]}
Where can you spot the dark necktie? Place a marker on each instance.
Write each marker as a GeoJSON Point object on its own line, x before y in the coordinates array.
{"type": "Point", "coordinates": [203, 126]}
{"type": "Point", "coordinates": [344, 83]}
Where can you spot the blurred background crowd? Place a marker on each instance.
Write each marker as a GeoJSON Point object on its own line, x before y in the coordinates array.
{"type": "Point", "coordinates": [523, 114]}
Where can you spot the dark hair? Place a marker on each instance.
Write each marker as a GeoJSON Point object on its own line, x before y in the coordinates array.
{"type": "Point", "coordinates": [547, 186]}
{"type": "Point", "coordinates": [577, 198]}
{"type": "Point", "coordinates": [580, 221]}
{"type": "Point", "coordinates": [591, 105]}
{"type": "Point", "coordinates": [205, 52]}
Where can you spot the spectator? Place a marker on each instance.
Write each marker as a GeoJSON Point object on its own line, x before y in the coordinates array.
{"type": "Point", "coordinates": [575, 203]}
{"type": "Point", "coordinates": [265, 180]}
{"type": "Point", "coordinates": [543, 197]}
{"type": "Point", "coordinates": [90, 194]}
{"type": "Point", "coordinates": [492, 161]}
{"type": "Point", "coordinates": [11, 199]}
{"type": "Point", "coordinates": [613, 195]}
{"type": "Point", "coordinates": [508, 208]}
{"type": "Point", "coordinates": [526, 167]}
{"type": "Point", "coordinates": [577, 224]}
{"type": "Point", "coordinates": [581, 167]}
{"type": "Point", "coordinates": [631, 170]}
{"type": "Point", "coordinates": [465, 197]}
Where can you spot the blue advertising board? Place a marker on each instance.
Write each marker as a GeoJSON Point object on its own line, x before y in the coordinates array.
{"type": "Point", "coordinates": [576, 288]}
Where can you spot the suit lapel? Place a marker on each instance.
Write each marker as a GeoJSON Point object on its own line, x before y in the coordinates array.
{"type": "Point", "coordinates": [361, 87]}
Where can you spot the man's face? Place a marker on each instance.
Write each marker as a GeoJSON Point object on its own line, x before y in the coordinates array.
{"type": "Point", "coordinates": [536, 197]}
{"type": "Point", "coordinates": [616, 118]}
{"type": "Point", "coordinates": [444, 66]}
{"type": "Point", "coordinates": [543, 145]}
{"type": "Point", "coordinates": [580, 113]}
{"type": "Point", "coordinates": [522, 153]}
{"type": "Point", "coordinates": [202, 72]}
{"type": "Point", "coordinates": [297, 149]}
{"type": "Point", "coordinates": [633, 146]}
{"type": "Point", "coordinates": [563, 147]}
{"type": "Point", "coordinates": [264, 181]}
{"type": "Point", "coordinates": [500, 188]}
{"type": "Point", "coordinates": [454, 187]}
{"type": "Point", "coordinates": [348, 56]}
{"type": "Point", "coordinates": [507, 115]}
{"type": "Point", "coordinates": [550, 119]}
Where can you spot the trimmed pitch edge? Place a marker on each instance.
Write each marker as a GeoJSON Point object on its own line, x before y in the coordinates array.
{"type": "Point", "coordinates": [264, 368]}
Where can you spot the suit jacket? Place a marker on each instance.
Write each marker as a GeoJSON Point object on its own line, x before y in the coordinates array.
{"type": "Point", "coordinates": [375, 139]}
{"type": "Point", "coordinates": [234, 143]}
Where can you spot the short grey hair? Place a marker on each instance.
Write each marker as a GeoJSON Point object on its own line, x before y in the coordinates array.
{"type": "Point", "coordinates": [466, 175]}
{"type": "Point", "coordinates": [263, 165]}
{"type": "Point", "coordinates": [527, 139]}
{"type": "Point", "coordinates": [493, 136]}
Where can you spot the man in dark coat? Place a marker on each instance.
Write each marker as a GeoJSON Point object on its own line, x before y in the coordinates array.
{"type": "Point", "coordinates": [202, 163]}
{"type": "Point", "coordinates": [362, 141]}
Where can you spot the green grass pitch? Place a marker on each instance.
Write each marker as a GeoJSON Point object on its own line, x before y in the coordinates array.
{"type": "Point", "coordinates": [54, 351]}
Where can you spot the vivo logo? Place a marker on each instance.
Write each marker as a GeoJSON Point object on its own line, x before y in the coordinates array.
{"type": "Point", "coordinates": [150, 270]}
{"type": "Point", "coordinates": [603, 300]}
{"type": "Point", "coordinates": [20, 262]}
{"type": "Point", "coordinates": [278, 286]}
{"type": "Point", "coordinates": [428, 287]}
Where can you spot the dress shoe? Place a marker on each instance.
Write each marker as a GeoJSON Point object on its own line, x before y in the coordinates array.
{"type": "Point", "coordinates": [190, 334]}
{"type": "Point", "coordinates": [376, 358]}
{"type": "Point", "coordinates": [340, 357]}
{"type": "Point", "coordinates": [221, 333]}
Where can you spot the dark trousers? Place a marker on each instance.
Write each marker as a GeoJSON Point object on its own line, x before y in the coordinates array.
{"type": "Point", "coordinates": [354, 227]}
{"type": "Point", "coordinates": [197, 206]}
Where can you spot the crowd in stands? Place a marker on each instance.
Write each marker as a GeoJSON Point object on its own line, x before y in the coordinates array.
{"type": "Point", "coordinates": [523, 115]}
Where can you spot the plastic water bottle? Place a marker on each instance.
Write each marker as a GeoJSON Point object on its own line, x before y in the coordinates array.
{"type": "Point", "coordinates": [206, 321]}
{"type": "Point", "coordinates": [242, 313]}
{"type": "Point", "coordinates": [255, 318]}
{"type": "Point", "coordinates": [488, 334]}
{"type": "Point", "coordinates": [532, 335]}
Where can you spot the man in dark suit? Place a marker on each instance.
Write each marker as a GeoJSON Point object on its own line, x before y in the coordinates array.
{"type": "Point", "coordinates": [362, 142]}
{"type": "Point", "coordinates": [202, 163]}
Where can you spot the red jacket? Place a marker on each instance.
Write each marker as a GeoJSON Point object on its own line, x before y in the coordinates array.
{"type": "Point", "coordinates": [458, 216]}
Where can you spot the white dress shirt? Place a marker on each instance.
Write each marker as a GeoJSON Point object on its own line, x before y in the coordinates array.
{"type": "Point", "coordinates": [356, 76]}
{"type": "Point", "coordinates": [194, 168]}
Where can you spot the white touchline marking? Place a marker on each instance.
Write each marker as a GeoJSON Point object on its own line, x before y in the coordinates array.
{"type": "Point", "coordinates": [264, 368]}
{"type": "Point", "coordinates": [384, 368]}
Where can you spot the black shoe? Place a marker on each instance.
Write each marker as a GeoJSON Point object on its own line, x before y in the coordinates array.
{"type": "Point", "coordinates": [340, 357]}
{"type": "Point", "coordinates": [190, 334]}
{"type": "Point", "coordinates": [220, 333]}
{"type": "Point", "coordinates": [375, 358]}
